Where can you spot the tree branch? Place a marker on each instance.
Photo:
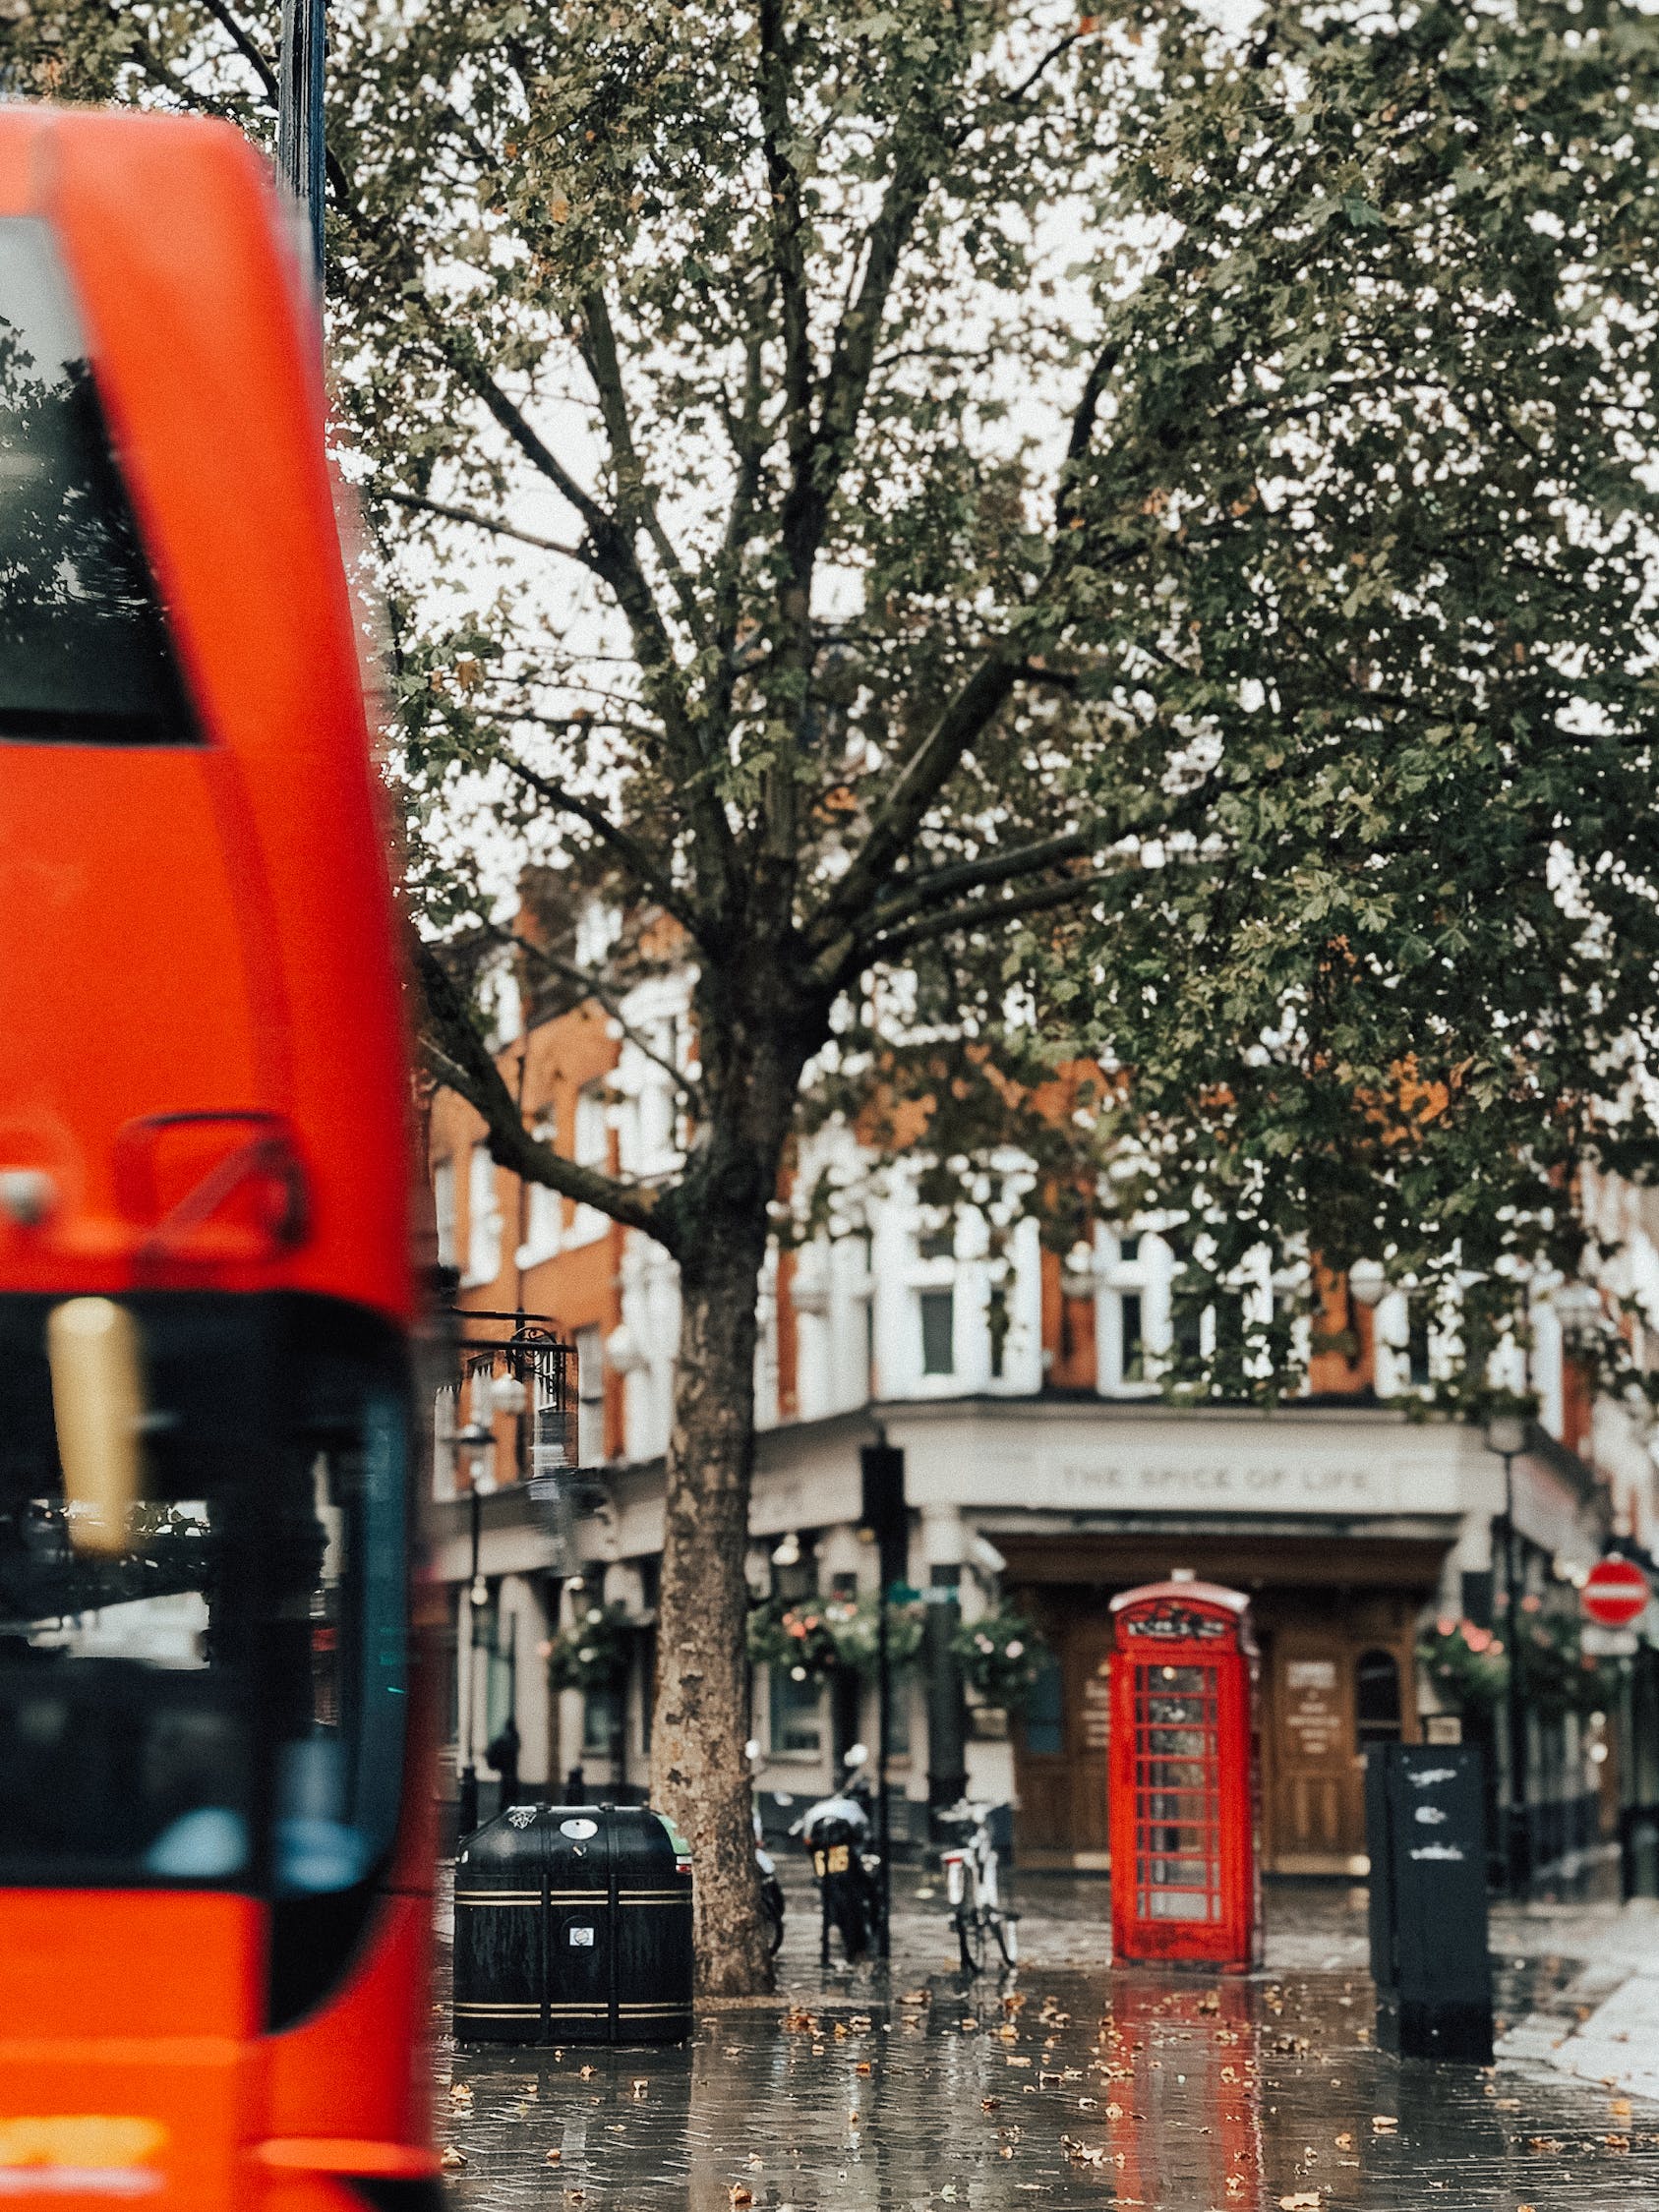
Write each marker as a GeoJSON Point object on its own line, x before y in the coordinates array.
{"type": "Point", "coordinates": [638, 501]}
{"type": "Point", "coordinates": [980, 914]}
{"type": "Point", "coordinates": [476, 521]}
{"type": "Point", "coordinates": [645, 866]}
{"type": "Point", "coordinates": [897, 818]}
{"type": "Point", "coordinates": [466, 1065]}
{"type": "Point", "coordinates": [611, 999]}
{"type": "Point", "coordinates": [915, 894]}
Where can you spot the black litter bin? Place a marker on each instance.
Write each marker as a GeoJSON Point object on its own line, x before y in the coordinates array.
{"type": "Point", "coordinates": [573, 1925]}
{"type": "Point", "coordinates": [1424, 1829]}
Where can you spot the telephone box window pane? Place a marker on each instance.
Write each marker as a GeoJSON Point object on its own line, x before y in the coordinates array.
{"type": "Point", "coordinates": [1177, 1807]}
{"type": "Point", "coordinates": [83, 651]}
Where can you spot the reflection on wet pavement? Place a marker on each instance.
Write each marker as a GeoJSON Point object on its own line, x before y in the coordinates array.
{"type": "Point", "coordinates": [1064, 2085]}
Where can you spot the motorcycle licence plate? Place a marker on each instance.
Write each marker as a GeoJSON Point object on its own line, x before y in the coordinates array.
{"type": "Point", "coordinates": [838, 1858]}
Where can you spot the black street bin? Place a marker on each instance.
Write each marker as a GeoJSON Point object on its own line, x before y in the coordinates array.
{"type": "Point", "coordinates": [573, 1925]}
{"type": "Point", "coordinates": [1425, 1830]}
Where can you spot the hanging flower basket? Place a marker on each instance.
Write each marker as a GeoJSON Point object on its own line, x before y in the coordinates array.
{"type": "Point", "coordinates": [817, 1637]}
{"type": "Point", "coordinates": [1466, 1665]}
{"type": "Point", "coordinates": [592, 1652]}
{"type": "Point", "coordinates": [793, 1633]}
{"type": "Point", "coordinates": [855, 1626]}
{"type": "Point", "coordinates": [1000, 1655]}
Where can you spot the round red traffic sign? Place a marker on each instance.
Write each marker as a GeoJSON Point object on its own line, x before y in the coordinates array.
{"type": "Point", "coordinates": [1616, 1591]}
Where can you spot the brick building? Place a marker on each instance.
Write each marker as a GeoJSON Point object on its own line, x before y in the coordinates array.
{"type": "Point", "coordinates": [1044, 1446]}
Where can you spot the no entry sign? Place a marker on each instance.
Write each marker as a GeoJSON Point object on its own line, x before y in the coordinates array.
{"type": "Point", "coordinates": [1616, 1592]}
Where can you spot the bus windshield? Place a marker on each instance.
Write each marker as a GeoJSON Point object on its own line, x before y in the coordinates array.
{"type": "Point", "coordinates": [217, 1701]}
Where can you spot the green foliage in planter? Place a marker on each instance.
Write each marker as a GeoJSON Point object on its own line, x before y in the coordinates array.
{"type": "Point", "coordinates": [1557, 1676]}
{"type": "Point", "coordinates": [592, 1652]}
{"type": "Point", "coordinates": [1001, 1655]}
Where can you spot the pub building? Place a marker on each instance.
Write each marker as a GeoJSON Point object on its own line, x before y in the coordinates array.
{"type": "Point", "coordinates": [1043, 1470]}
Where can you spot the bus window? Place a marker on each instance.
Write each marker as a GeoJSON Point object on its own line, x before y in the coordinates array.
{"type": "Point", "coordinates": [83, 650]}
{"type": "Point", "coordinates": [218, 1700]}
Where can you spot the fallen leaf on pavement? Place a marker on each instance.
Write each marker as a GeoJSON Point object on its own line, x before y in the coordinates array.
{"type": "Point", "coordinates": [1385, 2122]}
{"type": "Point", "coordinates": [1300, 2200]}
{"type": "Point", "coordinates": [553, 2156]}
{"type": "Point", "coordinates": [740, 2195]}
{"type": "Point", "coordinates": [451, 2159]}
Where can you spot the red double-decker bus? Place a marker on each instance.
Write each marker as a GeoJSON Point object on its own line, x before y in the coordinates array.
{"type": "Point", "coordinates": [214, 1869]}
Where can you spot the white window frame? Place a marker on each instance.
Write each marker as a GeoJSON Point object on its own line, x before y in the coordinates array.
{"type": "Point", "coordinates": [484, 1220]}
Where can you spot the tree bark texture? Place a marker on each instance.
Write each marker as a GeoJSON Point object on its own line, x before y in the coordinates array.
{"type": "Point", "coordinates": [699, 1775]}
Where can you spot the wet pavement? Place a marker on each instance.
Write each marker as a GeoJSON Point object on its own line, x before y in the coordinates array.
{"type": "Point", "coordinates": [1065, 2084]}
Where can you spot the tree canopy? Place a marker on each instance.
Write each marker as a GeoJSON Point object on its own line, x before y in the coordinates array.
{"type": "Point", "coordinates": [1008, 537]}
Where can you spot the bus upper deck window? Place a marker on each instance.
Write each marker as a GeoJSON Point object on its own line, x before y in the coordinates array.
{"type": "Point", "coordinates": [83, 651]}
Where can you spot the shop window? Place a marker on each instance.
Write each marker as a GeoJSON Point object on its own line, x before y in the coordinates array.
{"type": "Point", "coordinates": [1045, 1712]}
{"type": "Point", "coordinates": [938, 1331]}
{"type": "Point", "coordinates": [1376, 1714]}
{"type": "Point", "coordinates": [797, 1716]}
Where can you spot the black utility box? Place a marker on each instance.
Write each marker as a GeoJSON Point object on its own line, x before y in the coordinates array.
{"type": "Point", "coordinates": [1425, 1830]}
{"type": "Point", "coordinates": [573, 1925]}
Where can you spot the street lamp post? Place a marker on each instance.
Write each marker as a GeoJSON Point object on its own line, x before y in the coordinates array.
{"type": "Point", "coordinates": [300, 151]}
{"type": "Point", "coordinates": [1505, 1436]}
{"type": "Point", "coordinates": [477, 1439]}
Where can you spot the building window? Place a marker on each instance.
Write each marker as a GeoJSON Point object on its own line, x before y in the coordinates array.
{"type": "Point", "coordinates": [937, 1243]}
{"type": "Point", "coordinates": [545, 1213]}
{"type": "Point", "coordinates": [484, 1220]}
{"type": "Point", "coordinates": [1418, 1372]}
{"type": "Point", "coordinates": [1132, 1341]}
{"type": "Point", "coordinates": [590, 1139]}
{"type": "Point", "coordinates": [590, 1397]}
{"type": "Point", "coordinates": [443, 1208]}
{"type": "Point", "coordinates": [798, 1714]}
{"type": "Point", "coordinates": [602, 1722]}
{"type": "Point", "coordinates": [938, 1331]}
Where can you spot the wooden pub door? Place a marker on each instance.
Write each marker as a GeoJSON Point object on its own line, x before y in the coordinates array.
{"type": "Point", "coordinates": [1060, 1752]}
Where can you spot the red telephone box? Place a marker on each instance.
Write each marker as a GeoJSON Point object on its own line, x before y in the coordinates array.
{"type": "Point", "coordinates": [1183, 1787]}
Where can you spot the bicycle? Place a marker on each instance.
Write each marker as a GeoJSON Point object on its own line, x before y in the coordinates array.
{"type": "Point", "coordinates": [972, 1885]}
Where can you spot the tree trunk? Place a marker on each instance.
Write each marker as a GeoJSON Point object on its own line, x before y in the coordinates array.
{"type": "Point", "coordinates": [699, 1775]}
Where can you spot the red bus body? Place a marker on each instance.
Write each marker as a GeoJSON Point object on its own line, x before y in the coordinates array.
{"type": "Point", "coordinates": [1182, 1775]}
{"type": "Point", "coordinates": [205, 1105]}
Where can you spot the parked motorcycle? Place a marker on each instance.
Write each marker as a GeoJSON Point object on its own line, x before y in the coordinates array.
{"type": "Point", "coordinates": [771, 1888]}
{"type": "Point", "coordinates": [837, 1832]}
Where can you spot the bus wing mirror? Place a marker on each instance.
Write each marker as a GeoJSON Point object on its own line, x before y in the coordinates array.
{"type": "Point", "coordinates": [99, 1408]}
